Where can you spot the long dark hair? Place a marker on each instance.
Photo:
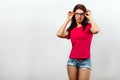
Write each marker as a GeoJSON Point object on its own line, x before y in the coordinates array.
{"type": "Point", "coordinates": [73, 21]}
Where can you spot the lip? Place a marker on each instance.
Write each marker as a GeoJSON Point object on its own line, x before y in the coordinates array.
{"type": "Point", "coordinates": [79, 19]}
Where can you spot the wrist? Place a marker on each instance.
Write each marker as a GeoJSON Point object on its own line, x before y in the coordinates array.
{"type": "Point", "coordinates": [68, 20]}
{"type": "Point", "coordinates": [90, 19]}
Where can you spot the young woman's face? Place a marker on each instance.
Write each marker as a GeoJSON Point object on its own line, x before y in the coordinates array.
{"type": "Point", "coordinates": [79, 15]}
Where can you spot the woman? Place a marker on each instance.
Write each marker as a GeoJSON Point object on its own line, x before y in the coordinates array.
{"type": "Point", "coordinates": [80, 32]}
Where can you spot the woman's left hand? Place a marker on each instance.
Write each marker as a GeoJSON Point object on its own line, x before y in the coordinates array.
{"type": "Point", "coordinates": [88, 14]}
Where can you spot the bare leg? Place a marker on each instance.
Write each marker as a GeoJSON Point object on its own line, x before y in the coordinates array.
{"type": "Point", "coordinates": [84, 74]}
{"type": "Point", "coordinates": [72, 72]}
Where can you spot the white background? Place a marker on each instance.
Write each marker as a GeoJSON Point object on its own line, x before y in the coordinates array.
{"type": "Point", "coordinates": [30, 49]}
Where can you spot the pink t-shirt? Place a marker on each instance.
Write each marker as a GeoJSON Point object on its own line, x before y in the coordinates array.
{"type": "Point", "coordinates": [81, 42]}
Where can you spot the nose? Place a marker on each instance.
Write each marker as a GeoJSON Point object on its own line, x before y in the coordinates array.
{"type": "Point", "coordinates": [79, 15]}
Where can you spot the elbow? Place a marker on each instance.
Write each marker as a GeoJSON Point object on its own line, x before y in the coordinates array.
{"type": "Point", "coordinates": [95, 31]}
{"type": "Point", "coordinates": [59, 35]}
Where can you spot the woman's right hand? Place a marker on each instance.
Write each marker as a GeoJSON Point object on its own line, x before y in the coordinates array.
{"type": "Point", "coordinates": [70, 15]}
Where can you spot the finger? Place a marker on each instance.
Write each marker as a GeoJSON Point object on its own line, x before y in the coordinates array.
{"type": "Point", "coordinates": [86, 15]}
{"type": "Point", "coordinates": [88, 10]}
{"type": "Point", "coordinates": [70, 13]}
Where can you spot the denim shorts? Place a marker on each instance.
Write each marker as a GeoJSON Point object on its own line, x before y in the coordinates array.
{"type": "Point", "coordinates": [80, 64]}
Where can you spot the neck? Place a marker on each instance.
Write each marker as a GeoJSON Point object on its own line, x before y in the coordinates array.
{"type": "Point", "coordinates": [79, 24]}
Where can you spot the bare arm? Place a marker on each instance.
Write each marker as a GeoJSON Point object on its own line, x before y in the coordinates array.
{"type": "Point", "coordinates": [61, 31]}
{"type": "Point", "coordinates": [94, 29]}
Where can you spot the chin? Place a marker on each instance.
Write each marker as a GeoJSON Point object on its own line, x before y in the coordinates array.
{"type": "Point", "coordinates": [79, 22]}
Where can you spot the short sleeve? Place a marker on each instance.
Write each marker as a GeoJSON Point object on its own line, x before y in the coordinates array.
{"type": "Point", "coordinates": [88, 28]}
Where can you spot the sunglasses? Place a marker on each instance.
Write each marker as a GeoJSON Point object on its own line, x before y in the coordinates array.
{"type": "Point", "coordinates": [81, 14]}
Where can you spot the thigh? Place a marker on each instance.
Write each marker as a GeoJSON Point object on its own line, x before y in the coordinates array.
{"type": "Point", "coordinates": [84, 74]}
{"type": "Point", "coordinates": [72, 72]}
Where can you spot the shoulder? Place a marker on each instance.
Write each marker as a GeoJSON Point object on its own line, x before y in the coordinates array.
{"type": "Point", "coordinates": [88, 25]}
